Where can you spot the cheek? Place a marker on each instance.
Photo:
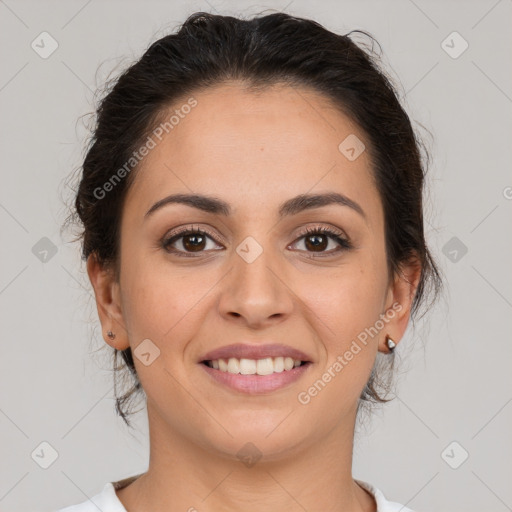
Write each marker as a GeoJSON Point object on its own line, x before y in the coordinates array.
{"type": "Point", "coordinates": [346, 306]}
{"type": "Point", "coordinates": [348, 300]}
{"type": "Point", "coordinates": [162, 307]}
{"type": "Point", "coordinates": [162, 302]}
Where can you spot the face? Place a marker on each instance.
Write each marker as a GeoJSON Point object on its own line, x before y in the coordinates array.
{"type": "Point", "coordinates": [257, 270]}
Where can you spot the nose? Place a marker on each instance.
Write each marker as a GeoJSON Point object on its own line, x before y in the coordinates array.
{"type": "Point", "coordinates": [256, 293]}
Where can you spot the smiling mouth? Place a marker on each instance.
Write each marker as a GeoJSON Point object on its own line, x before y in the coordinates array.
{"type": "Point", "coordinates": [264, 366]}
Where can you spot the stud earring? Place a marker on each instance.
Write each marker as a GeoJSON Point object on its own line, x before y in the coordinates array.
{"type": "Point", "coordinates": [111, 335]}
{"type": "Point", "coordinates": [390, 344]}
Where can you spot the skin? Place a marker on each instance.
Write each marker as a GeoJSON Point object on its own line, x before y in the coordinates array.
{"type": "Point", "coordinates": [253, 151]}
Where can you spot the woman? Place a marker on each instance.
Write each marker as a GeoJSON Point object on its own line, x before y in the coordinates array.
{"type": "Point", "coordinates": [251, 204]}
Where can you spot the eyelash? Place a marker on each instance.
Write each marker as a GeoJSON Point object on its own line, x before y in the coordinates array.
{"type": "Point", "coordinates": [322, 230]}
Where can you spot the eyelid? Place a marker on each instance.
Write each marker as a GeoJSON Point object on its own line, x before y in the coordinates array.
{"type": "Point", "coordinates": [193, 228]}
{"type": "Point", "coordinates": [328, 229]}
{"type": "Point", "coordinates": [332, 232]}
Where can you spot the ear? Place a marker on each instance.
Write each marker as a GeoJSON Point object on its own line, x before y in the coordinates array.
{"type": "Point", "coordinates": [107, 292]}
{"type": "Point", "coordinates": [401, 293]}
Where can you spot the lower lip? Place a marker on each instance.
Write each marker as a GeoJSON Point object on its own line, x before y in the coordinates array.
{"type": "Point", "coordinates": [255, 384]}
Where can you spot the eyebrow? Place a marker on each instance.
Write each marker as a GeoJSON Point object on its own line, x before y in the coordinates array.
{"type": "Point", "coordinates": [290, 207]}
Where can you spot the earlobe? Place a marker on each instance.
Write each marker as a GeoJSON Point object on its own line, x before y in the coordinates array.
{"type": "Point", "coordinates": [390, 344]}
{"type": "Point", "coordinates": [106, 291]}
{"type": "Point", "coordinates": [399, 303]}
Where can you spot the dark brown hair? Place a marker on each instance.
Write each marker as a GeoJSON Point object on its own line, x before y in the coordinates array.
{"type": "Point", "coordinates": [210, 49]}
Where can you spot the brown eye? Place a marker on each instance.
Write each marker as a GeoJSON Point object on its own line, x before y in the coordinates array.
{"type": "Point", "coordinates": [187, 242]}
{"type": "Point", "coordinates": [194, 242]}
{"type": "Point", "coordinates": [318, 240]}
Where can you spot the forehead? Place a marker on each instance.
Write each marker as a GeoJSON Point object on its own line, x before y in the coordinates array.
{"type": "Point", "coordinates": [254, 148]}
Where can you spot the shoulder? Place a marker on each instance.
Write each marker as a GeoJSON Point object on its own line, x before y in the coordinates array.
{"type": "Point", "coordinates": [106, 501]}
{"type": "Point", "coordinates": [383, 505]}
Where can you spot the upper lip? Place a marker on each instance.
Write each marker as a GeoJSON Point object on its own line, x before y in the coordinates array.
{"type": "Point", "coordinates": [242, 351]}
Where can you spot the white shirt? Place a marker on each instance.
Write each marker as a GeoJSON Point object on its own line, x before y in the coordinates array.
{"type": "Point", "coordinates": [107, 500]}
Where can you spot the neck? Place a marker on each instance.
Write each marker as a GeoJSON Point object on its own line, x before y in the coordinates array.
{"type": "Point", "coordinates": [185, 476]}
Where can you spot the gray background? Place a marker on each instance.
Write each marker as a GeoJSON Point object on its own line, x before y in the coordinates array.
{"type": "Point", "coordinates": [455, 385]}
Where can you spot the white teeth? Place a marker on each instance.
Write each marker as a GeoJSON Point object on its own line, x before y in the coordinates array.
{"type": "Point", "coordinates": [265, 366]}
{"type": "Point", "coordinates": [233, 365]}
{"type": "Point", "coordinates": [247, 366]}
{"type": "Point", "coordinates": [278, 364]}
{"type": "Point", "coordinates": [288, 363]}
